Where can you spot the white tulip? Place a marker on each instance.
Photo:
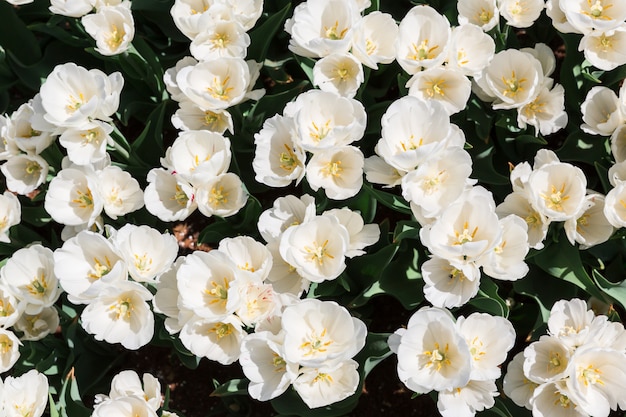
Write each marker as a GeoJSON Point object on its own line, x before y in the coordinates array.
{"type": "Point", "coordinates": [559, 20]}
{"type": "Point", "coordinates": [601, 112]}
{"type": "Point", "coordinates": [554, 400]}
{"type": "Point", "coordinates": [9, 352]}
{"type": "Point", "coordinates": [377, 171]}
{"type": "Point", "coordinates": [432, 355]}
{"type": "Point", "coordinates": [10, 214]}
{"type": "Point", "coordinates": [124, 407]}
{"type": "Point", "coordinates": [71, 8]}
{"type": "Point", "coordinates": [26, 395]}
{"type": "Point", "coordinates": [190, 16]}
{"type": "Point", "coordinates": [339, 73]}
{"type": "Point", "coordinates": [217, 340]}
{"type": "Point", "coordinates": [10, 308]}
{"type": "Point", "coordinates": [470, 49]}
{"type": "Point", "coordinates": [128, 384]}
{"type": "Point", "coordinates": [223, 195]}
{"type": "Point", "coordinates": [320, 28]}
{"type": "Point", "coordinates": [251, 257]}
{"type": "Point", "coordinates": [113, 28]}
{"type": "Point", "coordinates": [87, 144]}
{"type": "Point", "coordinates": [373, 39]}
{"type": "Point", "coordinates": [546, 360]}
{"type": "Point", "coordinates": [589, 15]}
{"type": "Point", "coordinates": [284, 277]}
{"type": "Point", "coordinates": [20, 131]}
{"type": "Point", "coordinates": [168, 196]}
{"type": "Point", "coordinates": [320, 333]}
{"type": "Point", "coordinates": [72, 95]}
{"type": "Point", "coordinates": [520, 13]}
{"type": "Point", "coordinates": [325, 120]}
{"type": "Point", "coordinates": [518, 203]}
{"type": "Point", "coordinates": [448, 285]}
{"type": "Point", "coordinates": [278, 158]}
{"type": "Point", "coordinates": [413, 131]}
{"type": "Point", "coordinates": [467, 400]}
{"type": "Point", "coordinates": [438, 181]}
{"type": "Point", "coordinates": [596, 380]}
{"type": "Point", "coordinates": [198, 155]}
{"type": "Point", "coordinates": [482, 13]}
{"type": "Point", "coordinates": [146, 251]}
{"type": "Point", "coordinates": [449, 87]}
{"type": "Point", "coordinates": [191, 117]}
{"type": "Point", "coordinates": [422, 39]}
{"type": "Point", "coordinates": [605, 50]}
{"type": "Point", "coordinates": [206, 284]}
{"type": "Point", "coordinates": [286, 211]}
{"type": "Point", "coordinates": [506, 261]}
{"type": "Point", "coordinates": [29, 275]}
{"type": "Point", "coordinates": [263, 363]}
{"type": "Point", "coordinates": [319, 387]}
{"type": "Point", "coordinates": [361, 235]}
{"type": "Point", "coordinates": [221, 39]}
{"type": "Point", "coordinates": [571, 322]}
{"type": "Point", "coordinates": [85, 263]}
{"type": "Point", "coordinates": [73, 198]}
{"type": "Point", "coordinates": [339, 171]}
{"type": "Point", "coordinates": [215, 85]}
{"type": "Point", "coordinates": [120, 314]}
{"type": "Point", "coordinates": [24, 173]}
{"type": "Point", "coordinates": [618, 144]}
{"type": "Point", "coordinates": [513, 77]}
{"type": "Point", "coordinates": [316, 249]}
{"type": "Point", "coordinates": [169, 78]}
{"type": "Point", "coordinates": [591, 227]}
{"type": "Point", "coordinates": [546, 112]}
{"type": "Point", "coordinates": [37, 326]}
{"type": "Point", "coordinates": [515, 384]}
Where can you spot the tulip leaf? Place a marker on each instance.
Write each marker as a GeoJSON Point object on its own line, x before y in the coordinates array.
{"type": "Point", "coordinates": [262, 36]}
{"type": "Point", "coordinates": [367, 270]}
{"type": "Point", "coordinates": [488, 300]}
{"type": "Point", "coordinates": [406, 229]}
{"type": "Point", "coordinates": [563, 261]}
{"type": "Point", "coordinates": [392, 201]}
{"type": "Point", "coordinates": [16, 37]}
{"type": "Point", "coordinates": [617, 291]}
{"type": "Point", "coordinates": [232, 387]}
{"type": "Point", "coordinates": [402, 278]}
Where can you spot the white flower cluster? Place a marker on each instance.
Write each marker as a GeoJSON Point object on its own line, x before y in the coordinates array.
{"type": "Point", "coordinates": [604, 113]}
{"type": "Point", "coordinates": [577, 369]}
{"type": "Point", "coordinates": [75, 105]}
{"type": "Point", "coordinates": [461, 228]}
{"type": "Point", "coordinates": [336, 32]}
{"type": "Point", "coordinates": [324, 124]}
{"type": "Point", "coordinates": [486, 13]}
{"type": "Point", "coordinates": [94, 270]}
{"type": "Point", "coordinates": [25, 395]}
{"type": "Point", "coordinates": [130, 396]}
{"type": "Point", "coordinates": [10, 213]}
{"type": "Point", "coordinates": [211, 297]}
{"type": "Point", "coordinates": [602, 24]}
{"type": "Point", "coordinates": [310, 346]}
{"type": "Point", "coordinates": [556, 191]}
{"type": "Point", "coordinates": [195, 177]}
{"type": "Point", "coordinates": [459, 359]}
{"type": "Point", "coordinates": [28, 290]}
{"type": "Point", "coordinates": [217, 76]}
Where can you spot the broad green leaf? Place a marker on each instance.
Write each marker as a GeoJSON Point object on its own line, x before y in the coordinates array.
{"type": "Point", "coordinates": [232, 387]}
{"type": "Point", "coordinates": [367, 270]}
{"type": "Point", "coordinates": [16, 38]}
{"type": "Point", "coordinates": [617, 291]}
{"type": "Point", "coordinates": [406, 229]}
{"type": "Point", "coordinates": [262, 36]}
{"type": "Point", "coordinates": [402, 278]}
{"type": "Point", "coordinates": [562, 260]}
{"type": "Point", "coordinates": [395, 202]}
{"type": "Point", "coordinates": [488, 300]}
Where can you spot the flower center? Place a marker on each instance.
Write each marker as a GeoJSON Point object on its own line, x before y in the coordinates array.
{"type": "Point", "coordinates": [318, 252]}
{"type": "Point", "coordinates": [222, 330]}
{"type": "Point", "coordinates": [556, 198]}
{"type": "Point", "coordinates": [122, 309]}
{"type": "Point", "coordinates": [219, 89]}
{"type": "Point", "coordinates": [422, 51]}
{"type": "Point", "coordinates": [333, 33]}
{"type": "Point", "coordinates": [589, 375]}
{"type": "Point", "coordinates": [317, 133]}
{"type": "Point", "coordinates": [437, 357]}
{"type": "Point", "coordinates": [512, 85]}
{"type": "Point", "coordinates": [288, 160]}
{"type": "Point", "coordinates": [84, 199]}
{"type": "Point", "coordinates": [115, 38]}
{"type": "Point", "coordinates": [38, 287]}
{"type": "Point", "coordinates": [435, 88]}
{"type": "Point", "coordinates": [218, 196]}
{"type": "Point", "coordinates": [465, 235]}
{"type": "Point", "coordinates": [100, 269]}
{"type": "Point", "coordinates": [316, 343]}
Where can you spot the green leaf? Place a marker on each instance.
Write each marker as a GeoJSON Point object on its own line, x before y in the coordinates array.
{"type": "Point", "coordinates": [262, 36]}
{"type": "Point", "coordinates": [16, 38]}
{"type": "Point", "coordinates": [562, 260]}
{"type": "Point", "coordinates": [367, 270]}
{"type": "Point", "coordinates": [148, 147]}
{"type": "Point", "coordinates": [406, 229]}
{"type": "Point", "coordinates": [392, 201]}
{"type": "Point", "coordinates": [54, 412]}
{"type": "Point", "coordinates": [70, 400]}
{"type": "Point", "coordinates": [488, 300]}
{"type": "Point", "coordinates": [232, 387]}
{"type": "Point", "coordinates": [616, 291]}
{"type": "Point", "coordinates": [402, 279]}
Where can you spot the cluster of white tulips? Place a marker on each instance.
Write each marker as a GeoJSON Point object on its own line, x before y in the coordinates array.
{"type": "Point", "coordinates": [577, 369]}
{"type": "Point", "coordinates": [243, 301]}
{"type": "Point", "coordinates": [460, 359]}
